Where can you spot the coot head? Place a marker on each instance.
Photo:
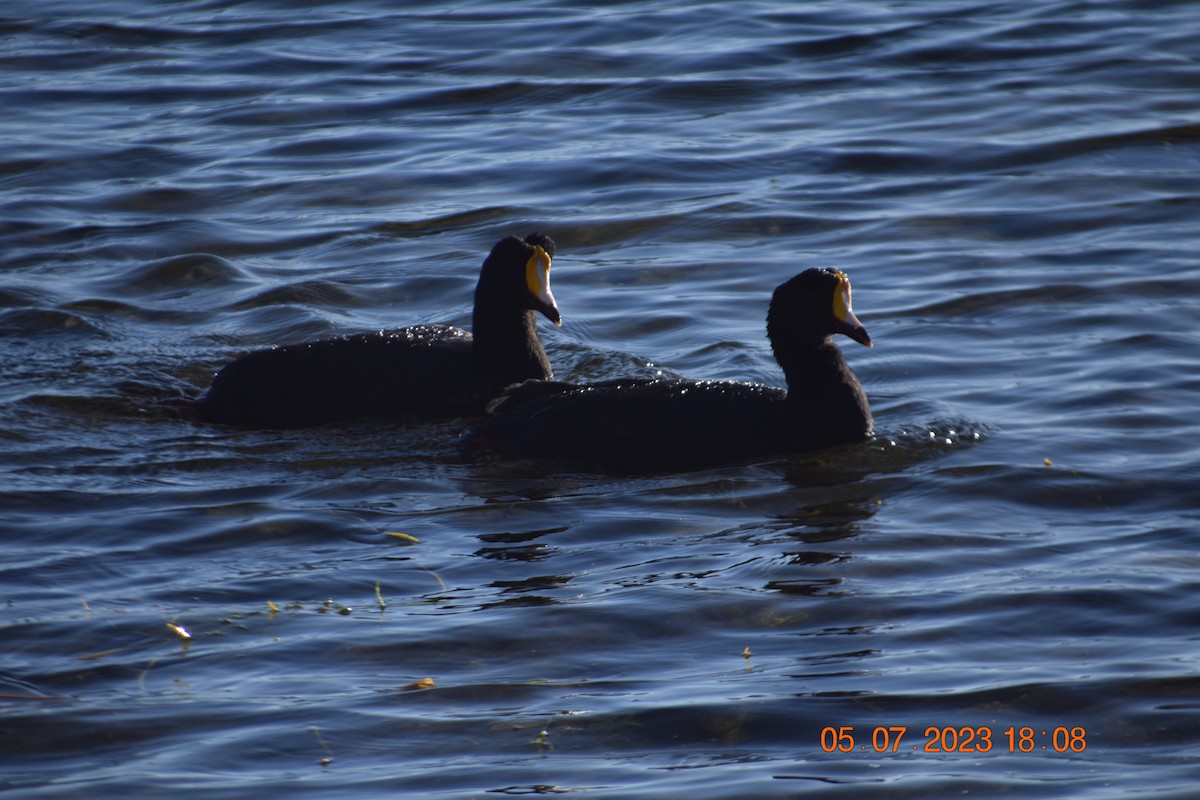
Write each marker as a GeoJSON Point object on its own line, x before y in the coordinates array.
{"type": "Point", "coordinates": [516, 274]}
{"type": "Point", "coordinates": [810, 308]}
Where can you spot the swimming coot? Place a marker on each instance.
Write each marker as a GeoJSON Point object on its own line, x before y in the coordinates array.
{"type": "Point", "coordinates": [641, 425]}
{"type": "Point", "coordinates": [420, 372]}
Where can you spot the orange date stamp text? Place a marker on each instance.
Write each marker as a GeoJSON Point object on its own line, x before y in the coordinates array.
{"type": "Point", "coordinates": [950, 739]}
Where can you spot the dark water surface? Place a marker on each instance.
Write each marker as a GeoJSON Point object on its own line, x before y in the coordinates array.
{"type": "Point", "coordinates": [1014, 189]}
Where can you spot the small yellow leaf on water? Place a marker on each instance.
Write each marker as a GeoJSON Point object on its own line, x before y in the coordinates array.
{"type": "Point", "coordinates": [404, 537]}
{"type": "Point", "coordinates": [1047, 462]}
{"type": "Point", "coordinates": [100, 654]}
{"type": "Point", "coordinates": [179, 630]}
{"type": "Point", "coordinates": [746, 652]}
{"type": "Point", "coordinates": [424, 683]}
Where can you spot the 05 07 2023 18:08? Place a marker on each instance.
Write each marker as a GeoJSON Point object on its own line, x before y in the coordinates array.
{"type": "Point", "coordinates": [1025, 739]}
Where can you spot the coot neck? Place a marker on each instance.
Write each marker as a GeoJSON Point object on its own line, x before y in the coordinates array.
{"type": "Point", "coordinates": [823, 389]}
{"type": "Point", "coordinates": [507, 348]}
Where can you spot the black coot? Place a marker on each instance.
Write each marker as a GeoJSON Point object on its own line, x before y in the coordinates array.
{"type": "Point", "coordinates": [639, 425]}
{"type": "Point", "coordinates": [420, 372]}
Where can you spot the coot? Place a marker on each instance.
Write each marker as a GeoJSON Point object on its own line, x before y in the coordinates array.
{"type": "Point", "coordinates": [419, 372]}
{"type": "Point", "coordinates": [640, 425]}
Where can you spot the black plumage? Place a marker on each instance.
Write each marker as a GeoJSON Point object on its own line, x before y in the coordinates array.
{"type": "Point", "coordinates": [638, 425]}
{"type": "Point", "coordinates": [419, 372]}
